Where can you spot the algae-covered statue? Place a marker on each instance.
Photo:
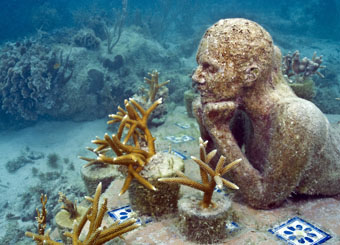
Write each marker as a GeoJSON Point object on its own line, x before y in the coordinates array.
{"type": "Point", "coordinates": [289, 146]}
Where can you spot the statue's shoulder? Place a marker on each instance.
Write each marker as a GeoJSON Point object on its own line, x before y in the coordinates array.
{"type": "Point", "coordinates": [303, 116]}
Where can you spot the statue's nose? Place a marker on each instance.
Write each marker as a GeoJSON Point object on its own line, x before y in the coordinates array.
{"type": "Point", "coordinates": [197, 76]}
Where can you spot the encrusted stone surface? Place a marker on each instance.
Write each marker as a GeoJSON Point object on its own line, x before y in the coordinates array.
{"type": "Point", "coordinates": [164, 200]}
{"type": "Point", "coordinates": [203, 225]}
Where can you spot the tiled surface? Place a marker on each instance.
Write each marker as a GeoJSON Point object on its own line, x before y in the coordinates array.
{"type": "Point", "coordinates": [297, 231]}
{"type": "Point", "coordinates": [248, 225]}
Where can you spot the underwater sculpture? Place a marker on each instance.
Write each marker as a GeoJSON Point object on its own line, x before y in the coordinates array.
{"type": "Point", "coordinates": [290, 147]}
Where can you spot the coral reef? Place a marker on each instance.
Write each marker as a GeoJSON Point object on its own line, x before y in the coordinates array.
{"type": "Point", "coordinates": [95, 233]}
{"type": "Point", "coordinates": [31, 76]}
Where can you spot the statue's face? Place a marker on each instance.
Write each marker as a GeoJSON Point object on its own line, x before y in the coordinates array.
{"type": "Point", "coordinates": [215, 79]}
{"type": "Point", "coordinates": [233, 55]}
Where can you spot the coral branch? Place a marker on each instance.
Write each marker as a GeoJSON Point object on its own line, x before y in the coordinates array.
{"type": "Point", "coordinates": [208, 184]}
{"type": "Point", "coordinates": [154, 86]}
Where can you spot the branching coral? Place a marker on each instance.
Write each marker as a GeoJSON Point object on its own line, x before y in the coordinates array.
{"type": "Point", "coordinates": [134, 155]}
{"type": "Point", "coordinates": [154, 85]}
{"type": "Point", "coordinates": [208, 183]}
{"type": "Point", "coordinates": [69, 206]}
{"type": "Point", "coordinates": [96, 234]}
{"type": "Point", "coordinates": [118, 28]}
{"type": "Point", "coordinates": [42, 237]}
{"type": "Point", "coordinates": [301, 69]}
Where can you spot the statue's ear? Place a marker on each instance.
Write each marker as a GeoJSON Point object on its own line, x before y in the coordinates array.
{"type": "Point", "coordinates": [251, 75]}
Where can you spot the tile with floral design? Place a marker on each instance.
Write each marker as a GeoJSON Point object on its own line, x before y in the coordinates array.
{"type": "Point", "coordinates": [179, 139]}
{"type": "Point", "coordinates": [298, 231]}
{"type": "Point", "coordinates": [124, 213]}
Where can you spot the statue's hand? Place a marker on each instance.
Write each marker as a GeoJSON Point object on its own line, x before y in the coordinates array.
{"type": "Point", "coordinates": [220, 112]}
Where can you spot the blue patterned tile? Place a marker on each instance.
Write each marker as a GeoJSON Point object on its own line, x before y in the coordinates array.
{"type": "Point", "coordinates": [232, 227]}
{"type": "Point", "coordinates": [124, 213]}
{"type": "Point", "coordinates": [221, 191]}
{"type": "Point", "coordinates": [183, 125]}
{"type": "Point", "coordinates": [178, 154]}
{"type": "Point", "coordinates": [298, 231]}
{"type": "Point", "coordinates": [179, 139]}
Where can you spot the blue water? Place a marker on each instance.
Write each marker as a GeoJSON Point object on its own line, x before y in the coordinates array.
{"type": "Point", "coordinates": [55, 63]}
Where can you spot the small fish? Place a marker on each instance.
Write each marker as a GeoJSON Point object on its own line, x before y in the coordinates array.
{"type": "Point", "coordinates": [56, 66]}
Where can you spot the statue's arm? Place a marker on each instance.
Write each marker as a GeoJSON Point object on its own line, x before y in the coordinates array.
{"type": "Point", "coordinates": [288, 155]}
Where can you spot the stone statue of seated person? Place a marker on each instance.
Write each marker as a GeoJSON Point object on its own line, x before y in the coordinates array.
{"type": "Point", "coordinates": [290, 145]}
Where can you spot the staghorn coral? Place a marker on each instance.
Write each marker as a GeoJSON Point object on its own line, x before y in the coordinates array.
{"type": "Point", "coordinates": [134, 155]}
{"type": "Point", "coordinates": [31, 75]}
{"type": "Point", "coordinates": [95, 235]}
{"type": "Point", "coordinates": [154, 86]}
{"type": "Point", "coordinates": [149, 95]}
{"type": "Point", "coordinates": [208, 183]}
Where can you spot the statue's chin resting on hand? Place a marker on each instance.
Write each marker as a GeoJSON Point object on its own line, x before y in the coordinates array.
{"type": "Point", "coordinates": [289, 144]}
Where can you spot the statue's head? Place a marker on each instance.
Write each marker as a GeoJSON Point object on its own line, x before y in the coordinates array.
{"type": "Point", "coordinates": [233, 55]}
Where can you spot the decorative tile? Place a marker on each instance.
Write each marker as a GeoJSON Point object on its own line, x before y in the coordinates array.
{"type": "Point", "coordinates": [124, 213]}
{"type": "Point", "coordinates": [179, 139]}
{"type": "Point", "coordinates": [220, 191]}
{"type": "Point", "coordinates": [178, 154]}
{"type": "Point", "coordinates": [232, 227]}
{"type": "Point", "coordinates": [183, 125]}
{"type": "Point", "coordinates": [298, 231]}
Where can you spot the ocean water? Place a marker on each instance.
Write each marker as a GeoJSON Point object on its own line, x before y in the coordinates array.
{"type": "Point", "coordinates": [65, 65]}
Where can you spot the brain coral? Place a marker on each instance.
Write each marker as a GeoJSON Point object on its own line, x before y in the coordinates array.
{"type": "Point", "coordinates": [30, 77]}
